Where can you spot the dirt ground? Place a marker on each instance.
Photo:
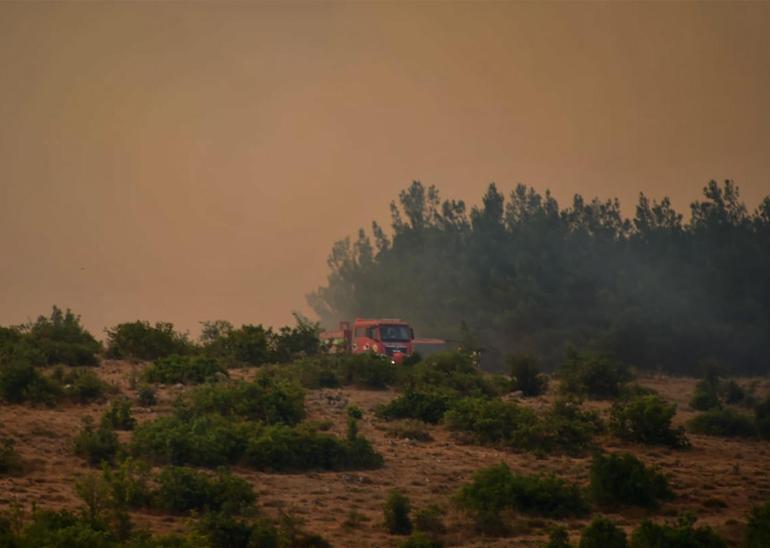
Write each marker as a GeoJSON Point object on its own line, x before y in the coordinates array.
{"type": "Point", "coordinates": [719, 479]}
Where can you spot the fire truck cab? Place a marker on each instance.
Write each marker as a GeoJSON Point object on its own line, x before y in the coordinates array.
{"type": "Point", "coordinates": [388, 337]}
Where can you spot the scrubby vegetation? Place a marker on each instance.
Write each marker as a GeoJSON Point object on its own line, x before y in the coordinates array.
{"type": "Point", "coordinates": [602, 533]}
{"type": "Point", "coordinates": [680, 534]}
{"type": "Point", "coordinates": [334, 370]}
{"type": "Point", "coordinates": [624, 479]}
{"type": "Point", "coordinates": [184, 369]}
{"type": "Point", "coordinates": [10, 460]}
{"type": "Point", "coordinates": [185, 489]}
{"type": "Point", "coordinates": [22, 382]}
{"type": "Point", "coordinates": [647, 419]}
{"type": "Point", "coordinates": [497, 488]}
{"type": "Point", "coordinates": [758, 527]}
{"type": "Point", "coordinates": [60, 339]}
{"type": "Point", "coordinates": [526, 375]}
{"type": "Point", "coordinates": [596, 376]}
{"type": "Point", "coordinates": [723, 422]}
{"type": "Point", "coordinates": [118, 416]}
{"type": "Point", "coordinates": [427, 404]}
{"type": "Point", "coordinates": [396, 510]}
{"type": "Point", "coordinates": [96, 444]}
{"type": "Point", "coordinates": [141, 340]}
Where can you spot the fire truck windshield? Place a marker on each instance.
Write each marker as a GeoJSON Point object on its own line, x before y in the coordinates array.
{"type": "Point", "coordinates": [395, 333]}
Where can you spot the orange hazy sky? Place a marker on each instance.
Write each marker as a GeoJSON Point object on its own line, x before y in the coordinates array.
{"type": "Point", "coordinates": [193, 161]}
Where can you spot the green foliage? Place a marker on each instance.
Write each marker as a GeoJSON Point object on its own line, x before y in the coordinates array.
{"type": "Point", "coordinates": [426, 404]}
{"type": "Point", "coordinates": [706, 396]}
{"type": "Point", "coordinates": [145, 396]}
{"type": "Point", "coordinates": [592, 375]}
{"type": "Point", "coordinates": [418, 539]}
{"type": "Point", "coordinates": [680, 534]}
{"type": "Point", "coordinates": [292, 342]}
{"type": "Point", "coordinates": [526, 375]}
{"type": "Point", "coordinates": [453, 371]}
{"type": "Point", "coordinates": [558, 537]}
{"type": "Point", "coordinates": [723, 422]}
{"type": "Point", "coordinates": [62, 528]}
{"type": "Point", "coordinates": [647, 419]}
{"type": "Point", "coordinates": [10, 460]}
{"type": "Point", "coordinates": [140, 340]}
{"type": "Point", "coordinates": [96, 444]}
{"type": "Point", "coordinates": [758, 527]}
{"type": "Point", "coordinates": [20, 382]}
{"type": "Point", "coordinates": [529, 274]}
{"type": "Point", "coordinates": [118, 416]}
{"type": "Point", "coordinates": [266, 399]}
{"type": "Point", "coordinates": [624, 479]}
{"type": "Point", "coordinates": [565, 428]}
{"type": "Point", "coordinates": [602, 533]}
{"type": "Point", "coordinates": [185, 489]}
{"type": "Point", "coordinates": [496, 488]}
{"type": "Point", "coordinates": [762, 418]}
{"type": "Point", "coordinates": [369, 371]}
{"type": "Point", "coordinates": [409, 429]}
{"type": "Point", "coordinates": [183, 369]}
{"type": "Point", "coordinates": [430, 520]}
{"type": "Point", "coordinates": [60, 339]}
{"type": "Point", "coordinates": [283, 448]}
{"type": "Point", "coordinates": [396, 509]}
{"type": "Point", "coordinates": [81, 385]}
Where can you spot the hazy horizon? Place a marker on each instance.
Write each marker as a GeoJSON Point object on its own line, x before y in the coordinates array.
{"type": "Point", "coordinates": [190, 162]}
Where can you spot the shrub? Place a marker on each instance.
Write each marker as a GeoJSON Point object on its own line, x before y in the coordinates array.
{"type": "Point", "coordinates": [558, 537]}
{"type": "Point", "coordinates": [496, 488]}
{"type": "Point", "coordinates": [564, 428]}
{"type": "Point", "coordinates": [758, 527]}
{"type": "Point", "coordinates": [603, 533]}
{"type": "Point", "coordinates": [396, 510]}
{"type": "Point", "coordinates": [183, 369]}
{"type": "Point", "coordinates": [706, 396]}
{"type": "Point", "coordinates": [61, 339]}
{"type": "Point", "coordinates": [680, 534]}
{"type": "Point", "coordinates": [10, 460]}
{"type": "Point", "coordinates": [208, 440]}
{"type": "Point", "coordinates": [292, 342]}
{"type": "Point", "coordinates": [409, 429]}
{"type": "Point", "coordinates": [762, 418]}
{"type": "Point", "coordinates": [141, 341]}
{"type": "Point", "coordinates": [526, 375]}
{"type": "Point", "coordinates": [266, 399]}
{"type": "Point", "coordinates": [426, 404]}
{"type": "Point", "coordinates": [20, 382]}
{"type": "Point", "coordinates": [145, 396]}
{"type": "Point", "coordinates": [624, 479]}
{"type": "Point", "coordinates": [62, 528]}
{"type": "Point", "coordinates": [184, 489]}
{"type": "Point", "coordinates": [16, 345]}
{"type": "Point", "coordinates": [596, 376]}
{"type": "Point", "coordinates": [118, 416]}
{"type": "Point", "coordinates": [647, 419]}
{"type": "Point", "coordinates": [82, 385]}
{"type": "Point", "coordinates": [418, 539]}
{"type": "Point", "coordinates": [96, 445]}
{"type": "Point", "coordinates": [284, 448]}
{"type": "Point", "coordinates": [734, 392]}
{"type": "Point", "coordinates": [430, 520]}
{"type": "Point", "coordinates": [450, 370]}
{"type": "Point", "coordinates": [250, 344]}
{"type": "Point", "coordinates": [723, 422]}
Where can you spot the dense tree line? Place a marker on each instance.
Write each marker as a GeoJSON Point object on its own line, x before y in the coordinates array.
{"type": "Point", "coordinates": [526, 275]}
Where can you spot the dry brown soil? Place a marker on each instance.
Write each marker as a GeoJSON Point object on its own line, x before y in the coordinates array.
{"type": "Point", "coordinates": [719, 479]}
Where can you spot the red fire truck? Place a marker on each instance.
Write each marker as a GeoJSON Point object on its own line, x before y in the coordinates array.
{"type": "Point", "coordinates": [388, 337]}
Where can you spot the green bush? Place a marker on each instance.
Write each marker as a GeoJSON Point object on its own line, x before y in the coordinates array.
{"type": "Point", "coordinates": [762, 418]}
{"type": "Point", "coordinates": [207, 440]}
{"type": "Point", "coordinates": [426, 404]}
{"type": "Point", "coordinates": [706, 396]}
{"type": "Point", "coordinates": [145, 396]}
{"type": "Point", "coordinates": [140, 340]}
{"type": "Point", "coordinates": [62, 528]}
{"type": "Point", "coordinates": [118, 416]}
{"type": "Point", "coordinates": [60, 339]}
{"type": "Point", "coordinates": [624, 479]}
{"type": "Point", "coordinates": [20, 382]}
{"type": "Point", "coordinates": [596, 376]}
{"type": "Point", "coordinates": [183, 369]}
{"type": "Point", "coordinates": [409, 429]}
{"type": "Point", "coordinates": [293, 342]}
{"type": "Point", "coordinates": [16, 345]}
{"type": "Point", "coordinates": [450, 370]}
{"type": "Point", "coordinates": [647, 419]}
{"type": "Point", "coordinates": [758, 527]}
{"type": "Point", "coordinates": [266, 399]}
{"type": "Point", "coordinates": [283, 448]}
{"type": "Point", "coordinates": [430, 520]}
{"type": "Point", "coordinates": [723, 422]}
{"type": "Point", "coordinates": [96, 445]}
{"type": "Point", "coordinates": [526, 375]}
{"type": "Point", "coordinates": [396, 510]}
{"type": "Point", "coordinates": [602, 533]}
{"type": "Point", "coordinates": [680, 534]}
{"type": "Point", "coordinates": [10, 460]}
{"type": "Point", "coordinates": [558, 537]}
{"type": "Point", "coordinates": [496, 488]}
{"type": "Point", "coordinates": [418, 539]}
{"type": "Point", "coordinates": [257, 345]}
{"type": "Point", "coordinates": [81, 385]}
{"type": "Point", "coordinates": [564, 428]}
{"type": "Point", "coordinates": [185, 489]}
